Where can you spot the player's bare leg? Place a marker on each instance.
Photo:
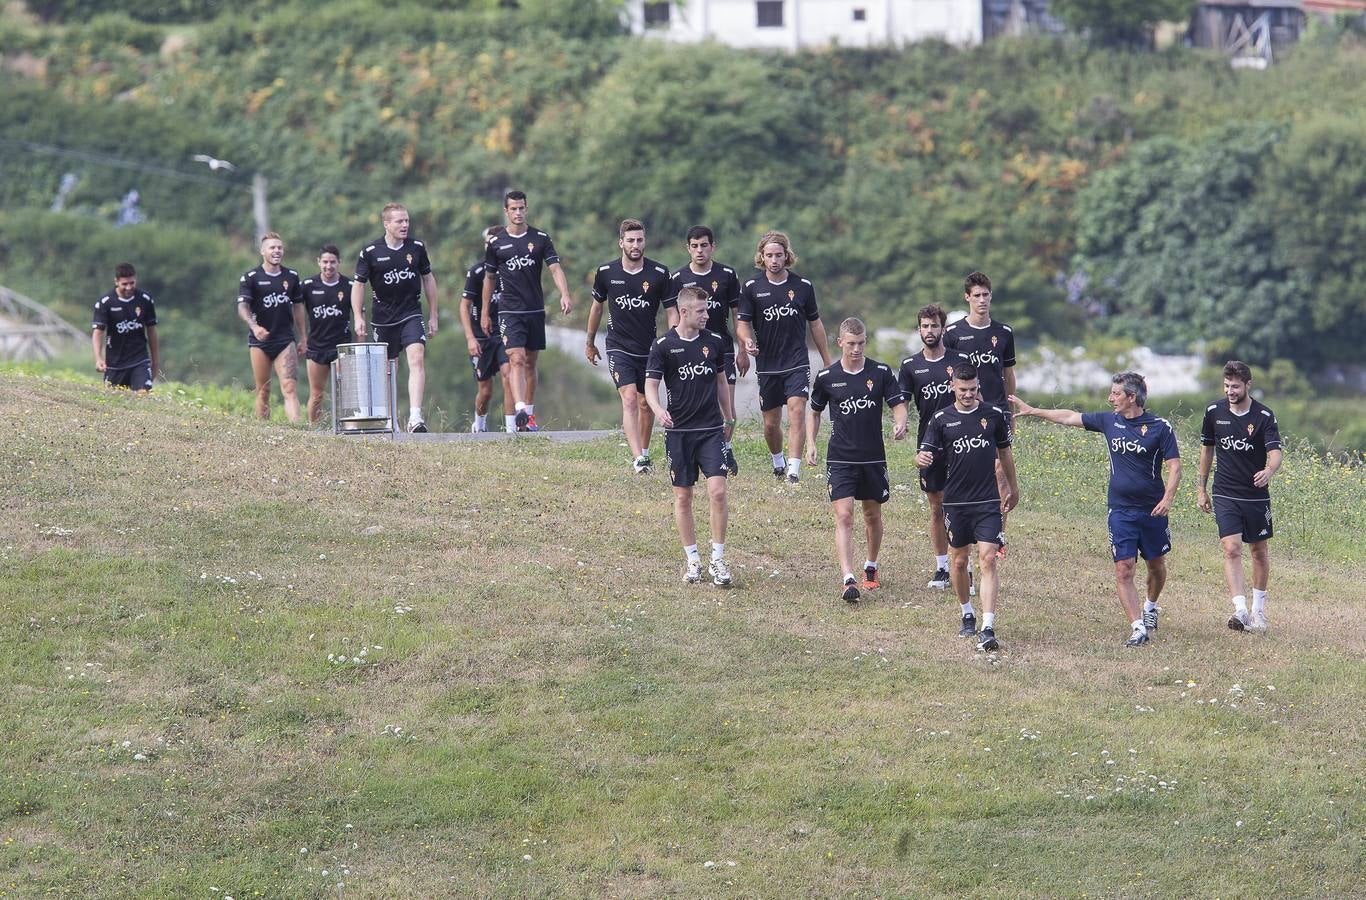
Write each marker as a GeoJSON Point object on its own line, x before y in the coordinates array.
{"type": "Point", "coordinates": [318, 375]}
{"type": "Point", "coordinates": [631, 417]}
{"type": "Point", "coordinates": [287, 369]}
{"type": "Point", "coordinates": [260, 373]}
{"type": "Point", "coordinates": [720, 511]}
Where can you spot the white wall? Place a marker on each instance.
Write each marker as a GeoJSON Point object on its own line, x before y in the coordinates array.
{"type": "Point", "coordinates": [819, 23]}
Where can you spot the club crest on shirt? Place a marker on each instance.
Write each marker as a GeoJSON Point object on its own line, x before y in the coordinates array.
{"type": "Point", "coordinates": [948, 370]}
{"type": "Point", "coordinates": [993, 340]}
{"type": "Point", "coordinates": [645, 287]}
{"type": "Point", "coordinates": [984, 424]}
{"type": "Point", "coordinates": [339, 295]}
{"type": "Point", "coordinates": [409, 257]}
{"type": "Point", "coordinates": [869, 382]}
{"type": "Point", "coordinates": [1249, 429]}
{"type": "Point", "coordinates": [530, 246]}
{"type": "Point", "coordinates": [137, 314]}
{"type": "Point", "coordinates": [791, 295]}
{"type": "Point", "coordinates": [1143, 430]}
{"type": "Point", "coordinates": [706, 352]}
{"type": "Point", "coordinates": [285, 283]}
{"type": "Point", "coordinates": [715, 286]}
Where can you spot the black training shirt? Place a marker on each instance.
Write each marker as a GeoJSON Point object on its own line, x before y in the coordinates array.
{"type": "Point", "coordinates": [929, 384]}
{"type": "Point", "coordinates": [517, 263]}
{"type": "Point", "coordinates": [474, 292]}
{"type": "Point", "coordinates": [124, 323]}
{"type": "Point", "coordinates": [968, 440]}
{"type": "Point", "coordinates": [271, 298]}
{"type": "Point", "coordinates": [722, 287]}
{"type": "Point", "coordinates": [688, 370]}
{"type": "Point", "coordinates": [632, 300]}
{"type": "Point", "coordinates": [855, 400]}
{"type": "Point", "coordinates": [329, 311]}
{"type": "Point", "coordinates": [991, 349]}
{"type": "Point", "coordinates": [779, 314]}
{"type": "Point", "coordinates": [1240, 443]}
{"type": "Point", "coordinates": [395, 279]}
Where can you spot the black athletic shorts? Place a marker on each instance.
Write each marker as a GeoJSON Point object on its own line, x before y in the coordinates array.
{"type": "Point", "coordinates": [522, 330]}
{"type": "Point", "coordinates": [627, 369]}
{"type": "Point", "coordinates": [137, 377]}
{"type": "Point", "coordinates": [272, 349]}
{"type": "Point", "coordinates": [491, 359]}
{"type": "Point", "coordinates": [972, 522]}
{"type": "Point", "coordinates": [323, 356]}
{"type": "Point", "coordinates": [862, 481]}
{"type": "Point", "coordinates": [689, 452]}
{"type": "Point", "coordinates": [1250, 518]}
{"type": "Point", "coordinates": [774, 390]}
{"type": "Point", "coordinates": [933, 479]}
{"type": "Point", "coordinates": [412, 330]}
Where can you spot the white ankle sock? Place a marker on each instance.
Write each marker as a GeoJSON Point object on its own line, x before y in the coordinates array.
{"type": "Point", "coordinates": [510, 423]}
{"type": "Point", "coordinates": [870, 564]}
{"type": "Point", "coordinates": [779, 461]}
{"type": "Point", "coordinates": [1240, 604]}
{"type": "Point", "coordinates": [794, 466]}
{"type": "Point", "coordinates": [1258, 601]}
{"type": "Point", "coordinates": [691, 551]}
{"type": "Point", "coordinates": [481, 422]}
{"type": "Point", "coordinates": [967, 608]}
{"type": "Point", "coordinates": [941, 562]}
{"type": "Point", "coordinates": [1149, 606]}
{"type": "Point", "coordinates": [718, 551]}
{"type": "Point", "coordinates": [988, 619]}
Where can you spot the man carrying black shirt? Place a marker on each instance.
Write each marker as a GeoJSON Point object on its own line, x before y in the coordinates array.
{"type": "Point", "coordinates": [513, 262]}
{"type": "Point", "coordinates": [271, 301]}
{"type": "Point", "coordinates": [328, 298]}
{"type": "Point", "coordinates": [722, 286]}
{"type": "Point", "coordinates": [776, 309]}
{"type": "Point", "coordinates": [855, 388]}
{"type": "Point", "coordinates": [691, 363]}
{"type": "Point", "coordinates": [1241, 434]}
{"type": "Point", "coordinates": [926, 379]}
{"type": "Point", "coordinates": [633, 287]}
{"type": "Point", "coordinates": [972, 435]}
{"type": "Point", "coordinates": [399, 272]}
{"type": "Point", "coordinates": [486, 352]}
{"type": "Point", "coordinates": [123, 332]}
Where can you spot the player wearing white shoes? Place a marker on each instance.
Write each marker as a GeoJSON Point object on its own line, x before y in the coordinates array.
{"type": "Point", "coordinates": [631, 288]}
{"type": "Point", "coordinates": [690, 361]}
{"type": "Point", "coordinates": [723, 296]}
{"type": "Point", "coordinates": [399, 271]}
{"type": "Point", "coordinates": [854, 389]}
{"type": "Point", "coordinates": [271, 301]}
{"type": "Point", "coordinates": [926, 380]}
{"type": "Point", "coordinates": [1240, 436]}
{"type": "Point", "coordinates": [1140, 445]}
{"type": "Point", "coordinates": [973, 436]}
{"type": "Point", "coordinates": [776, 310]}
{"type": "Point", "coordinates": [124, 334]}
{"type": "Point", "coordinates": [487, 356]}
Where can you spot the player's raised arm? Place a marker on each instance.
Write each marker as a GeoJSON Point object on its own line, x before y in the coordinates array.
{"type": "Point", "coordinates": [1056, 416]}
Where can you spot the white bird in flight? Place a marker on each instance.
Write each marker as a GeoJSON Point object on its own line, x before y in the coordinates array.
{"type": "Point", "coordinates": [214, 164]}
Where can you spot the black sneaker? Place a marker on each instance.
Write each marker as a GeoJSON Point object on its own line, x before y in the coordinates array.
{"type": "Point", "coordinates": [779, 472]}
{"type": "Point", "coordinates": [940, 579]}
{"type": "Point", "coordinates": [851, 594]}
{"type": "Point", "coordinates": [1150, 620]}
{"type": "Point", "coordinates": [987, 640]}
{"type": "Point", "coordinates": [969, 626]}
{"type": "Point", "coordinates": [418, 428]}
{"type": "Point", "coordinates": [521, 419]}
{"type": "Point", "coordinates": [728, 457]}
{"type": "Point", "coordinates": [1137, 639]}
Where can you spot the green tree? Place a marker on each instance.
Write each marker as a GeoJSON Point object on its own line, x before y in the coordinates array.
{"type": "Point", "coordinates": [1126, 23]}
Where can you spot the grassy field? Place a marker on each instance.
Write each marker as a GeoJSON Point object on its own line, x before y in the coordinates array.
{"type": "Point", "coordinates": [244, 660]}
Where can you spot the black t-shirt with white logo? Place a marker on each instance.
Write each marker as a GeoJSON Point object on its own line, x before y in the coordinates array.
{"type": "Point", "coordinates": [688, 371]}
{"type": "Point", "coordinates": [855, 400]}
{"type": "Point", "coordinates": [722, 286]}
{"type": "Point", "coordinates": [969, 441]}
{"type": "Point", "coordinates": [928, 383]}
{"type": "Point", "coordinates": [779, 314]}
{"type": "Point", "coordinates": [395, 279]}
{"type": "Point", "coordinates": [991, 349]}
{"type": "Point", "coordinates": [124, 323]}
{"type": "Point", "coordinates": [271, 298]}
{"type": "Point", "coordinates": [474, 291]}
{"type": "Point", "coordinates": [1240, 444]}
{"type": "Point", "coordinates": [517, 263]}
{"type": "Point", "coordinates": [632, 300]}
{"type": "Point", "coordinates": [329, 311]}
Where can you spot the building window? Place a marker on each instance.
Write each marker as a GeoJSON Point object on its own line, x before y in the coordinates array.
{"type": "Point", "coordinates": [657, 14]}
{"type": "Point", "coordinates": [770, 13]}
{"type": "Point", "coordinates": [860, 14]}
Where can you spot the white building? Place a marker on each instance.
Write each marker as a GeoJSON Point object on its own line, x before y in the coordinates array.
{"type": "Point", "coordinates": [795, 24]}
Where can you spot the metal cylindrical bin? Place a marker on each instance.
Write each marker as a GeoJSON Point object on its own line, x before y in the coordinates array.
{"type": "Point", "coordinates": [364, 389]}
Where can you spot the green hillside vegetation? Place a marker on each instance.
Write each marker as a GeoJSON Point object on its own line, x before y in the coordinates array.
{"type": "Point", "coordinates": [244, 660]}
{"type": "Point", "coordinates": [1159, 196]}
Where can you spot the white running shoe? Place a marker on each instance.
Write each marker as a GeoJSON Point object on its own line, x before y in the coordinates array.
{"type": "Point", "coordinates": [417, 426]}
{"type": "Point", "coordinates": [1258, 623]}
{"type": "Point", "coordinates": [694, 573]}
{"type": "Point", "coordinates": [720, 573]}
{"type": "Point", "coordinates": [1239, 620]}
{"type": "Point", "coordinates": [642, 465]}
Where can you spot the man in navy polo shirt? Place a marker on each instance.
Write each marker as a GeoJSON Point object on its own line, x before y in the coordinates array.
{"type": "Point", "coordinates": [1140, 445]}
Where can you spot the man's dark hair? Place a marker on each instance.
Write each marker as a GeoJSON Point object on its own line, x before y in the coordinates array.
{"type": "Point", "coordinates": [330, 248]}
{"type": "Point", "coordinates": [1134, 385]}
{"type": "Point", "coordinates": [964, 371]}
{"type": "Point", "coordinates": [629, 225]}
{"type": "Point", "coordinates": [124, 270]}
{"type": "Point", "coordinates": [697, 232]}
{"type": "Point", "coordinates": [933, 311]}
{"type": "Point", "coordinates": [1238, 371]}
{"type": "Point", "coordinates": [975, 279]}
{"type": "Point", "coordinates": [513, 195]}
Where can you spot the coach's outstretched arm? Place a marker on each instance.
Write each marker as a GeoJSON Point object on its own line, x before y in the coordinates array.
{"type": "Point", "coordinates": [1056, 416]}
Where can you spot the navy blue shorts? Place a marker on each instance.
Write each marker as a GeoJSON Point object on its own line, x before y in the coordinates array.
{"type": "Point", "coordinates": [524, 331]}
{"type": "Point", "coordinates": [323, 356]}
{"type": "Point", "coordinates": [972, 522]}
{"type": "Point", "coordinates": [411, 330]}
{"type": "Point", "coordinates": [690, 452]}
{"type": "Point", "coordinates": [1135, 531]}
{"type": "Point", "coordinates": [137, 377]}
{"type": "Point", "coordinates": [1249, 518]}
{"type": "Point", "coordinates": [491, 359]}
{"type": "Point", "coordinates": [627, 369]}
{"type": "Point", "coordinates": [865, 481]}
{"type": "Point", "coordinates": [272, 349]}
{"type": "Point", "coordinates": [775, 390]}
